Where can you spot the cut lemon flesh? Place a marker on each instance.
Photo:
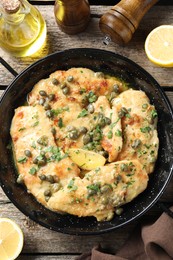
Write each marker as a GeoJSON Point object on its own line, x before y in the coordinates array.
{"type": "Point", "coordinates": [11, 239]}
{"type": "Point", "coordinates": [86, 160]}
{"type": "Point", "coordinates": [159, 46]}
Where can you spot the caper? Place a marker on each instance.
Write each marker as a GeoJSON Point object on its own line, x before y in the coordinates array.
{"type": "Point", "coordinates": [97, 136]}
{"type": "Point", "coordinates": [85, 101]}
{"type": "Point", "coordinates": [55, 187]}
{"type": "Point", "coordinates": [63, 85]}
{"type": "Point", "coordinates": [144, 106]}
{"type": "Point", "coordinates": [116, 88]}
{"type": "Point", "coordinates": [89, 146]}
{"type": "Point", "coordinates": [43, 140]}
{"type": "Point", "coordinates": [102, 122]}
{"type": "Point", "coordinates": [99, 74]}
{"type": "Point", "coordinates": [47, 192]}
{"type": "Point", "coordinates": [42, 101]}
{"type": "Point", "coordinates": [136, 143]}
{"type": "Point", "coordinates": [43, 93]}
{"type": "Point", "coordinates": [90, 108]}
{"type": "Point", "coordinates": [47, 198]}
{"type": "Point", "coordinates": [35, 160]}
{"type": "Point", "coordinates": [70, 128]}
{"type": "Point", "coordinates": [105, 188]}
{"type": "Point", "coordinates": [122, 112]}
{"type": "Point", "coordinates": [51, 97]}
{"type": "Point", "coordinates": [107, 120]}
{"type": "Point", "coordinates": [65, 90]}
{"type": "Point", "coordinates": [55, 81]}
{"type": "Point", "coordinates": [83, 130]}
{"type": "Point", "coordinates": [105, 201]}
{"type": "Point", "coordinates": [104, 153]}
{"type": "Point", "coordinates": [112, 96]}
{"type": "Point", "coordinates": [99, 148]}
{"type": "Point", "coordinates": [73, 135]}
{"type": "Point", "coordinates": [86, 139]}
{"type": "Point", "coordinates": [49, 113]}
{"type": "Point", "coordinates": [91, 192]}
{"type": "Point", "coordinates": [53, 130]}
{"type": "Point", "coordinates": [42, 177]}
{"type": "Point", "coordinates": [20, 179]}
{"type": "Point", "coordinates": [70, 78]}
{"type": "Point", "coordinates": [47, 107]}
{"type": "Point", "coordinates": [124, 167]}
{"type": "Point", "coordinates": [56, 178]}
{"type": "Point", "coordinates": [119, 211]}
{"type": "Point", "coordinates": [42, 153]}
{"type": "Point", "coordinates": [28, 153]}
{"type": "Point", "coordinates": [41, 162]}
{"type": "Point", "coordinates": [50, 178]}
{"type": "Point", "coordinates": [153, 159]}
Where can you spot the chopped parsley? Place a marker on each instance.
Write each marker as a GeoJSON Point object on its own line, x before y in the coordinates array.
{"type": "Point", "coordinates": [22, 160]}
{"type": "Point", "coordinates": [91, 97]}
{"type": "Point", "coordinates": [22, 129]}
{"type": "Point", "coordinates": [60, 123]}
{"type": "Point", "coordinates": [56, 154]}
{"type": "Point", "coordinates": [94, 187]}
{"type": "Point", "coordinates": [71, 185]}
{"type": "Point", "coordinates": [114, 123]}
{"type": "Point", "coordinates": [35, 124]}
{"type": "Point", "coordinates": [109, 135]}
{"type": "Point", "coordinates": [32, 171]}
{"type": "Point", "coordinates": [60, 110]}
{"type": "Point", "coordinates": [83, 113]}
{"type": "Point", "coordinates": [154, 113]}
{"type": "Point", "coordinates": [118, 133]}
{"type": "Point", "coordinates": [146, 129]}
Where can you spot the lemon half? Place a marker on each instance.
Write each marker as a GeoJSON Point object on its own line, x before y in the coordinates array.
{"type": "Point", "coordinates": [159, 46]}
{"type": "Point", "coordinates": [11, 239]}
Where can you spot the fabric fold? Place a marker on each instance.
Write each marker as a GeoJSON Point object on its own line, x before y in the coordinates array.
{"type": "Point", "coordinates": [152, 241]}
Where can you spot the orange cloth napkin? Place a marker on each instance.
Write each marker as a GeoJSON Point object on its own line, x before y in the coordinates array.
{"type": "Point", "coordinates": [148, 242]}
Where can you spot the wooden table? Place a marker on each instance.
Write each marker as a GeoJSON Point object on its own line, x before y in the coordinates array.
{"type": "Point", "coordinates": [41, 243]}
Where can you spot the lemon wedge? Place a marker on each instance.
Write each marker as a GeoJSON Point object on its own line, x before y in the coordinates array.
{"type": "Point", "coordinates": [86, 160]}
{"type": "Point", "coordinates": [159, 46]}
{"type": "Point", "coordinates": [11, 239]}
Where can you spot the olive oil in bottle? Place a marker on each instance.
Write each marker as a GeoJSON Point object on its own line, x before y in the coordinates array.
{"type": "Point", "coordinates": [22, 28]}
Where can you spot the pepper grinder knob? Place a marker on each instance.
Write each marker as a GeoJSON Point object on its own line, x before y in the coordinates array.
{"type": "Point", "coordinates": [122, 20]}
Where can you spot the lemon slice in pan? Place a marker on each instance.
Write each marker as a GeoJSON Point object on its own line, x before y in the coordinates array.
{"type": "Point", "coordinates": [86, 160]}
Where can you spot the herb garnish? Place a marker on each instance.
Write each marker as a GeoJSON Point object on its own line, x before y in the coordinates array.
{"type": "Point", "coordinates": [83, 113]}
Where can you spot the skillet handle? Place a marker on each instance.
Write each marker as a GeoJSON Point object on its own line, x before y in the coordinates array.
{"type": "Point", "coordinates": [8, 67]}
{"type": "Point", "coordinates": [165, 208]}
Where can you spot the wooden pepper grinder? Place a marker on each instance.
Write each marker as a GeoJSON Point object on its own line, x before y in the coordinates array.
{"type": "Point", "coordinates": [72, 16]}
{"type": "Point", "coordinates": [122, 20]}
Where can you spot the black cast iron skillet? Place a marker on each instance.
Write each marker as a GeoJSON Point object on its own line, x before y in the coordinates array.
{"type": "Point", "coordinates": [97, 60]}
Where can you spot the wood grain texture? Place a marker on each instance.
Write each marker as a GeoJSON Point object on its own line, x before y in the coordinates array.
{"type": "Point", "coordinates": [45, 244]}
{"type": "Point", "coordinates": [93, 38]}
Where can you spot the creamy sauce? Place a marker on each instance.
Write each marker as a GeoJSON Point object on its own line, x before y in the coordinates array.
{"type": "Point", "coordinates": [80, 108]}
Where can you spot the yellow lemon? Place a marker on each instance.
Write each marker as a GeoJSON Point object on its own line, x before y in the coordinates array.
{"type": "Point", "coordinates": [86, 160]}
{"type": "Point", "coordinates": [11, 239]}
{"type": "Point", "coordinates": [159, 46]}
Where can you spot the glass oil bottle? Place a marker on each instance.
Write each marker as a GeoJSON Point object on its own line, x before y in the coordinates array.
{"type": "Point", "coordinates": [22, 28]}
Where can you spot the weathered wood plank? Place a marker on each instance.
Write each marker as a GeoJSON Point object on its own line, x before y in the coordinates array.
{"type": "Point", "coordinates": [93, 37]}
{"type": "Point", "coordinates": [46, 257]}
{"type": "Point", "coordinates": [41, 240]}
{"type": "Point", "coordinates": [41, 243]}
